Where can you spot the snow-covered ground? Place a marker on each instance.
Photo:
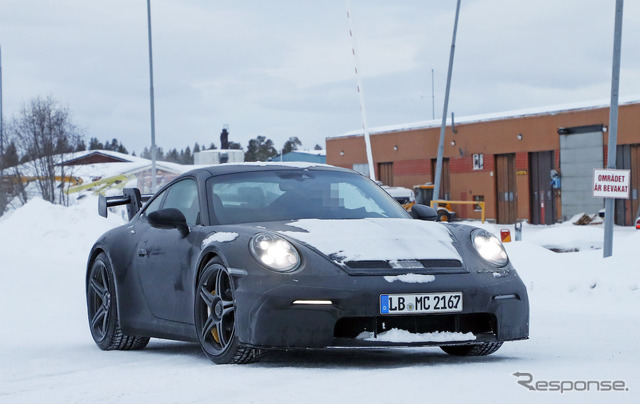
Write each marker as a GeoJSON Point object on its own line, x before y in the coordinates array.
{"type": "Point", "coordinates": [585, 327]}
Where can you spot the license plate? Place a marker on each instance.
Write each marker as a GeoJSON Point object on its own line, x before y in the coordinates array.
{"type": "Point", "coordinates": [444, 302]}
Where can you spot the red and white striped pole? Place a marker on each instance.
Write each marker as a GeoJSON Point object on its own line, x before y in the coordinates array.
{"type": "Point", "coordinates": [363, 112]}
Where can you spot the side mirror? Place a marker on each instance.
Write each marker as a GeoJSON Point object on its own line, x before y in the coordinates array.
{"type": "Point", "coordinates": [424, 212]}
{"type": "Point", "coordinates": [169, 219]}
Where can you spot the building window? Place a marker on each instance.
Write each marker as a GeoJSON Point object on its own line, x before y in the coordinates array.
{"type": "Point", "coordinates": [477, 207]}
{"type": "Point", "coordinates": [478, 161]}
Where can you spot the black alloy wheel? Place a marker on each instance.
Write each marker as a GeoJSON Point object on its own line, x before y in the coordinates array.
{"type": "Point", "coordinates": [102, 310]}
{"type": "Point", "coordinates": [215, 309]}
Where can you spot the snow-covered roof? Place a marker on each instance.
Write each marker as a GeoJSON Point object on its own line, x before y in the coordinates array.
{"type": "Point", "coordinates": [71, 157]}
{"type": "Point", "coordinates": [555, 109]}
{"type": "Point", "coordinates": [87, 172]}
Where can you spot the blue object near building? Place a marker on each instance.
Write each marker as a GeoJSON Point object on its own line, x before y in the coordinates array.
{"type": "Point", "coordinates": [312, 156]}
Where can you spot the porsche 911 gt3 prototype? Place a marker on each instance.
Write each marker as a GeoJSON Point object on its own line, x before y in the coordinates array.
{"type": "Point", "coordinates": [243, 258]}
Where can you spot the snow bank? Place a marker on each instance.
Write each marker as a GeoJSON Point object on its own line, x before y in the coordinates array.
{"type": "Point", "coordinates": [570, 278]}
{"type": "Point", "coordinates": [43, 251]}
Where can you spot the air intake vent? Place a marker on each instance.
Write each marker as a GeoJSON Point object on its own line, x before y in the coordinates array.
{"type": "Point", "coordinates": [395, 267]}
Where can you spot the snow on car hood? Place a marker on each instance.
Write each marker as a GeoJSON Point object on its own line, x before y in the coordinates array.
{"type": "Point", "coordinates": [375, 239]}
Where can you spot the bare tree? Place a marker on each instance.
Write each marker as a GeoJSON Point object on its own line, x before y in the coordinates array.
{"type": "Point", "coordinates": [43, 131]}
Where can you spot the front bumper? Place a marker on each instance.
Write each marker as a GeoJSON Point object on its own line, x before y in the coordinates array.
{"type": "Point", "coordinates": [494, 309]}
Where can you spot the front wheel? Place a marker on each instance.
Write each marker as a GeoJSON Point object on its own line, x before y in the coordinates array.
{"type": "Point", "coordinates": [482, 349]}
{"type": "Point", "coordinates": [102, 308]}
{"type": "Point", "coordinates": [215, 310]}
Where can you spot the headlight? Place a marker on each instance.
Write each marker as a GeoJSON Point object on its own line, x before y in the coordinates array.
{"type": "Point", "coordinates": [274, 252]}
{"type": "Point", "coordinates": [489, 247]}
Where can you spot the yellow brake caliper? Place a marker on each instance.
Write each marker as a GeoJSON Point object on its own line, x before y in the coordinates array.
{"type": "Point", "coordinates": [214, 332]}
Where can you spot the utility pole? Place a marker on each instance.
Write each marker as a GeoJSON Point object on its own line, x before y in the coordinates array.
{"type": "Point", "coordinates": [152, 106]}
{"type": "Point", "coordinates": [613, 127]}
{"type": "Point", "coordinates": [438, 175]}
{"type": "Point", "coordinates": [433, 97]}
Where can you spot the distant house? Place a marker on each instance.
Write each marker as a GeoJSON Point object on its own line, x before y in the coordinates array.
{"type": "Point", "coordinates": [308, 156]}
{"type": "Point", "coordinates": [96, 157]}
{"type": "Point", "coordinates": [100, 170]}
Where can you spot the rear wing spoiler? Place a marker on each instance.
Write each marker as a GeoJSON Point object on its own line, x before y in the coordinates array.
{"type": "Point", "coordinates": [130, 197]}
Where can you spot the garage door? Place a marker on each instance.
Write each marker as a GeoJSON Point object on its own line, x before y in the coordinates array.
{"type": "Point", "coordinates": [580, 153]}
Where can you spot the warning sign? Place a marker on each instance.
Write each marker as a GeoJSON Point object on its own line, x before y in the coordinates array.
{"type": "Point", "coordinates": [611, 183]}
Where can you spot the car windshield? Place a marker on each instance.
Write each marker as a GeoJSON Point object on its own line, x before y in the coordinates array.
{"type": "Point", "coordinates": [271, 195]}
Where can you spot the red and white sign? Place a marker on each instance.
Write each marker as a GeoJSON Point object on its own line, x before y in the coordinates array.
{"type": "Point", "coordinates": [611, 183]}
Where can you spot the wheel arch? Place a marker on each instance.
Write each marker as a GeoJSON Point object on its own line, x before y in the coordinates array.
{"type": "Point", "coordinates": [92, 258]}
{"type": "Point", "coordinates": [205, 257]}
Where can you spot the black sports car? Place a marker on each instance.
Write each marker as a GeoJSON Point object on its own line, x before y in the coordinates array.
{"type": "Point", "coordinates": [249, 257]}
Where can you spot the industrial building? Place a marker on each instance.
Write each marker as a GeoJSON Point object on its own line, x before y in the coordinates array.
{"type": "Point", "coordinates": [535, 165]}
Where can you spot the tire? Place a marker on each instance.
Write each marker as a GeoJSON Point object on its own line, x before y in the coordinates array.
{"type": "Point", "coordinates": [444, 216]}
{"type": "Point", "coordinates": [215, 308]}
{"type": "Point", "coordinates": [482, 349]}
{"type": "Point", "coordinates": [102, 309]}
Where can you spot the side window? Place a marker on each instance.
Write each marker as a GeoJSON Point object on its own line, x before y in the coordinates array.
{"type": "Point", "coordinates": [154, 205]}
{"type": "Point", "coordinates": [183, 196]}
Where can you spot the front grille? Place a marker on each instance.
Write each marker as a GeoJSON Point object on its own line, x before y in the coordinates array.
{"type": "Point", "coordinates": [396, 267]}
{"type": "Point", "coordinates": [476, 323]}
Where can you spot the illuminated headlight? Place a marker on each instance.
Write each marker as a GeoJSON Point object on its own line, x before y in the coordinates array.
{"type": "Point", "coordinates": [274, 252]}
{"type": "Point", "coordinates": [489, 247]}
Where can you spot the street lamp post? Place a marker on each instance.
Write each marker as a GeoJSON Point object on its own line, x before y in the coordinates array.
{"type": "Point", "coordinates": [151, 97]}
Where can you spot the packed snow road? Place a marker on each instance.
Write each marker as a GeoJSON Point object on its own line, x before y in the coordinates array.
{"type": "Point", "coordinates": [585, 328]}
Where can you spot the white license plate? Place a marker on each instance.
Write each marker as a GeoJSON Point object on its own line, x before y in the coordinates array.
{"type": "Point", "coordinates": [444, 302]}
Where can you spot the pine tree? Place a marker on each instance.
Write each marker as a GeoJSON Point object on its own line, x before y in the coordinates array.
{"type": "Point", "coordinates": [187, 157]}
{"type": "Point", "coordinates": [291, 145]}
{"type": "Point", "coordinates": [94, 144]}
{"type": "Point", "coordinates": [260, 149]}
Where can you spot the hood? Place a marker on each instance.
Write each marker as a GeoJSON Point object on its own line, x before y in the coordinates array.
{"type": "Point", "coordinates": [375, 239]}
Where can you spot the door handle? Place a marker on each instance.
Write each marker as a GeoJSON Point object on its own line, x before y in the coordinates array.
{"type": "Point", "coordinates": [142, 252]}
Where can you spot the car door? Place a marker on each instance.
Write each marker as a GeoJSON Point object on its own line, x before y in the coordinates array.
{"type": "Point", "coordinates": [165, 257]}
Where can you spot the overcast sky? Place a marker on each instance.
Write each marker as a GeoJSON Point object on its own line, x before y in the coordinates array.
{"type": "Point", "coordinates": [284, 68]}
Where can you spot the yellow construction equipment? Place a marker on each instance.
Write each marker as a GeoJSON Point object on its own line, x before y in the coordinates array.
{"type": "Point", "coordinates": [424, 196]}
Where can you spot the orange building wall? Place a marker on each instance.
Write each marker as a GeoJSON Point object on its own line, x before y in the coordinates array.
{"type": "Point", "coordinates": [411, 151]}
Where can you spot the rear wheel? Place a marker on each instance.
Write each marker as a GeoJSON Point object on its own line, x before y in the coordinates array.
{"type": "Point", "coordinates": [215, 309]}
{"type": "Point", "coordinates": [102, 308]}
{"type": "Point", "coordinates": [482, 349]}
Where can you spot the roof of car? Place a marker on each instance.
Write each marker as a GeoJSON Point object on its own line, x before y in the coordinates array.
{"type": "Point", "coordinates": [231, 168]}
